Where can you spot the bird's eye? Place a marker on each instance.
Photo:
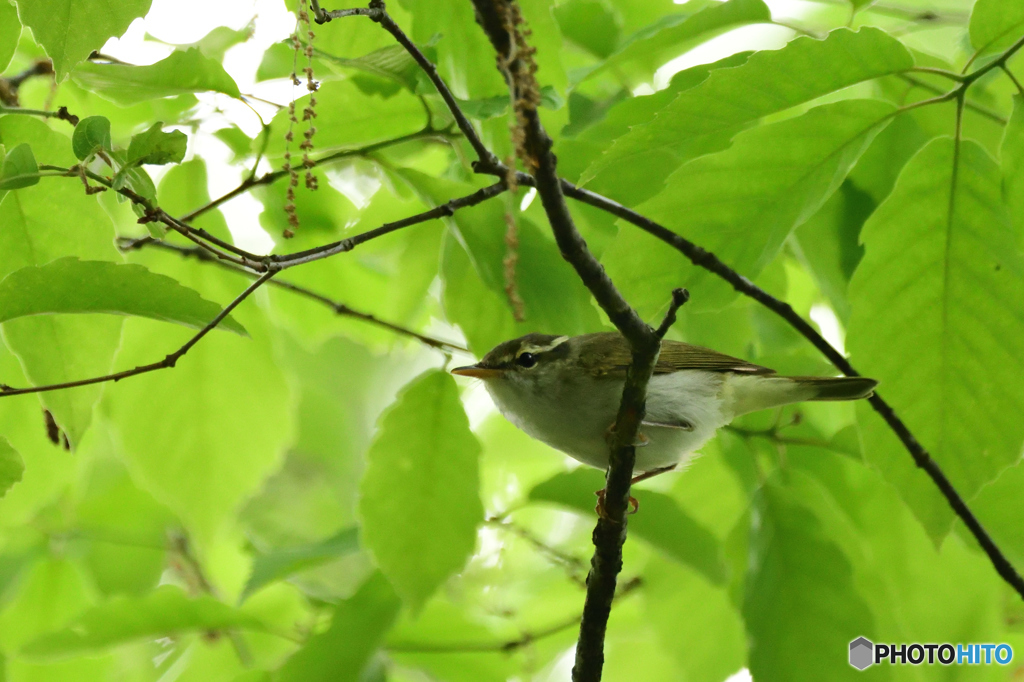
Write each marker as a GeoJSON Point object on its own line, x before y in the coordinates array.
{"type": "Point", "coordinates": [526, 360]}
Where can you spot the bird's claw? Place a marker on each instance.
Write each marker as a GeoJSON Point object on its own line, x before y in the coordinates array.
{"type": "Point", "coordinates": [641, 439]}
{"type": "Point", "coordinates": [634, 505]}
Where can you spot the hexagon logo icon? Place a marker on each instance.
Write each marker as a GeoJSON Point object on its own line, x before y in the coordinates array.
{"type": "Point", "coordinates": [861, 653]}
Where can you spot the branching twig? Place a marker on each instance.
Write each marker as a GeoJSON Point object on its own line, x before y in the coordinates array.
{"type": "Point", "coordinates": [574, 567]}
{"type": "Point", "coordinates": [501, 22]}
{"type": "Point", "coordinates": [444, 210]}
{"type": "Point", "coordinates": [338, 307]}
{"type": "Point", "coordinates": [377, 12]}
{"type": "Point", "coordinates": [273, 176]}
{"type": "Point", "coordinates": [973, 106]}
{"type": "Point", "coordinates": [167, 362]}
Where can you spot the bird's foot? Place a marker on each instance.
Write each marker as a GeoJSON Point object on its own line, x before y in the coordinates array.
{"type": "Point", "coordinates": [634, 505]}
{"type": "Point", "coordinates": [641, 439]}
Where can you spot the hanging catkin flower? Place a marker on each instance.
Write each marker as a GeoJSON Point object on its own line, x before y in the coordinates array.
{"type": "Point", "coordinates": [309, 113]}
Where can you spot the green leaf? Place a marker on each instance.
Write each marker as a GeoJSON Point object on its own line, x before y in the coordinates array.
{"type": "Point", "coordinates": [10, 32]}
{"type": "Point", "coordinates": [829, 243]}
{"type": "Point", "coordinates": [357, 630]}
{"type": "Point", "coordinates": [155, 147]}
{"type": "Point", "coordinates": [70, 285]}
{"type": "Point", "coordinates": [11, 466]}
{"type": "Point", "coordinates": [205, 450]}
{"type": "Point", "coordinates": [465, 58]}
{"type": "Point", "coordinates": [642, 53]}
{"type": "Point", "coordinates": [659, 520]}
{"type": "Point", "coordinates": [19, 163]}
{"type": "Point", "coordinates": [670, 589]}
{"type": "Point", "coordinates": [590, 24]}
{"type": "Point", "coordinates": [1012, 162]}
{"type": "Point", "coordinates": [182, 72]}
{"type": "Point", "coordinates": [49, 594]}
{"type": "Point", "coordinates": [237, 141]}
{"type": "Point", "coordinates": [69, 30]}
{"type": "Point", "coordinates": [704, 119]}
{"type": "Point", "coordinates": [281, 563]}
{"type": "Point", "coordinates": [996, 24]}
{"type": "Point", "coordinates": [420, 501]}
{"type": "Point", "coordinates": [40, 224]}
{"type": "Point", "coordinates": [801, 605]}
{"type": "Point", "coordinates": [91, 135]}
{"type": "Point", "coordinates": [392, 62]}
{"type": "Point", "coordinates": [347, 117]}
{"type": "Point", "coordinates": [940, 238]}
{"type": "Point", "coordinates": [221, 39]}
{"type": "Point", "coordinates": [577, 153]}
{"type": "Point", "coordinates": [165, 612]}
{"type": "Point", "coordinates": [743, 203]}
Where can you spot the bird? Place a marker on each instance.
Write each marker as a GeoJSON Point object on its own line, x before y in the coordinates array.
{"type": "Point", "coordinates": [565, 391]}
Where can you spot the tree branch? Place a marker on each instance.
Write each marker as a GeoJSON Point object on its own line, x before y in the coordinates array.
{"type": "Point", "coordinates": [338, 307]}
{"type": "Point", "coordinates": [167, 362]}
{"type": "Point", "coordinates": [378, 13]}
{"type": "Point", "coordinates": [501, 21]}
{"type": "Point", "coordinates": [444, 210]}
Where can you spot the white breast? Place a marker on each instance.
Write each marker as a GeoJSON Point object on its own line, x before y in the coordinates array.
{"type": "Point", "coordinates": [574, 416]}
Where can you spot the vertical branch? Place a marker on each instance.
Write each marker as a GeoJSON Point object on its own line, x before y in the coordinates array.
{"type": "Point", "coordinates": [502, 23]}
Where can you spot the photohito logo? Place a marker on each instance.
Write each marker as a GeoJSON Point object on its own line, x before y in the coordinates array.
{"type": "Point", "coordinates": [865, 653]}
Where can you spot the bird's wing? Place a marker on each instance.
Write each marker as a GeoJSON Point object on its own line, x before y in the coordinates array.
{"type": "Point", "coordinates": [675, 356]}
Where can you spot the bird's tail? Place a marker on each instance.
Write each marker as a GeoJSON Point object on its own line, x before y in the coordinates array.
{"type": "Point", "coordinates": [752, 393]}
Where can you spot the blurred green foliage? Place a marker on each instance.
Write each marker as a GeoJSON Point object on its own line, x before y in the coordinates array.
{"type": "Point", "coordinates": [314, 498]}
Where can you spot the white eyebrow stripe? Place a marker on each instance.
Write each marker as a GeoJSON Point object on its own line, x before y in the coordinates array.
{"type": "Point", "coordinates": [533, 348]}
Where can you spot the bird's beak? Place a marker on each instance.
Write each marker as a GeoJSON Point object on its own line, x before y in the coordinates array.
{"type": "Point", "coordinates": [477, 371]}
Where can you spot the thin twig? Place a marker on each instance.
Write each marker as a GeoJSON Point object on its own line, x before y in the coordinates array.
{"type": "Point", "coordinates": [338, 307]}
{"type": "Point", "coordinates": [574, 567]}
{"type": "Point", "coordinates": [507, 646]}
{"type": "Point", "coordinates": [377, 12]}
{"type": "Point", "coordinates": [947, 96]}
{"type": "Point", "coordinates": [1006, 70]}
{"type": "Point", "coordinates": [167, 362]}
{"type": "Point", "coordinates": [273, 176]}
{"type": "Point", "coordinates": [444, 210]}
{"type": "Point", "coordinates": [62, 113]}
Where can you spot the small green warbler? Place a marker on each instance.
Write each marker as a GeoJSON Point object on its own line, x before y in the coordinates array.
{"type": "Point", "coordinates": [565, 391]}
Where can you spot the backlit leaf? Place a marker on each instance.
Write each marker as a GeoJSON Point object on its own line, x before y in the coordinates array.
{"type": "Point", "coordinates": [69, 285]}
{"type": "Point", "coordinates": [996, 24]}
{"type": "Point", "coordinates": [157, 147]}
{"type": "Point", "coordinates": [11, 466]}
{"type": "Point", "coordinates": [743, 203]}
{"type": "Point", "coordinates": [70, 30]}
{"type": "Point", "coordinates": [420, 502]}
{"type": "Point", "coordinates": [165, 612]}
{"type": "Point", "coordinates": [947, 355]}
{"type": "Point", "coordinates": [705, 118]}
{"type": "Point", "coordinates": [357, 630]}
{"type": "Point", "coordinates": [182, 72]}
{"type": "Point", "coordinates": [659, 520]}
{"type": "Point", "coordinates": [37, 225]}
{"type": "Point", "coordinates": [19, 169]}
{"type": "Point", "coordinates": [91, 135]}
{"type": "Point", "coordinates": [282, 563]}
{"type": "Point", "coordinates": [801, 605]}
